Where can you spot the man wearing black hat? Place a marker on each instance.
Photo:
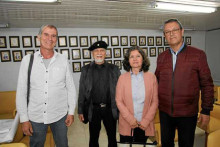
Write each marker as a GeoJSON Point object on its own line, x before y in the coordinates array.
{"type": "Point", "coordinates": [97, 95]}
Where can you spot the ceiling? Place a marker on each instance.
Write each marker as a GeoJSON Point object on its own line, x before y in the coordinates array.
{"type": "Point", "coordinates": [123, 14]}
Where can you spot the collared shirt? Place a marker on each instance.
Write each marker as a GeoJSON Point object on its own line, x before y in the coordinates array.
{"type": "Point", "coordinates": [52, 90]}
{"type": "Point", "coordinates": [138, 94]}
{"type": "Point", "coordinates": [174, 54]}
{"type": "Point", "coordinates": [100, 89]}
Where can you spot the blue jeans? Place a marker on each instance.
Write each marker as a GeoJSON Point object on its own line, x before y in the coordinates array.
{"type": "Point", "coordinates": [59, 130]}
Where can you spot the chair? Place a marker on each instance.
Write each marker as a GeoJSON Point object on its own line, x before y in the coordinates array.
{"type": "Point", "coordinates": [213, 139]}
{"type": "Point", "coordinates": [13, 145]}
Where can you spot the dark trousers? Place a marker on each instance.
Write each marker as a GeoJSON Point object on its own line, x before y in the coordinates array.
{"type": "Point", "coordinates": [109, 122]}
{"type": "Point", "coordinates": [186, 130]}
{"type": "Point", "coordinates": [138, 136]}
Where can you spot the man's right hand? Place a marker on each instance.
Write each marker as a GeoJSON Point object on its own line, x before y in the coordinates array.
{"type": "Point", "coordinates": [27, 128]}
{"type": "Point", "coordinates": [81, 117]}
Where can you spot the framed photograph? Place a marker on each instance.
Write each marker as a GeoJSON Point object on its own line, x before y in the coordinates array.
{"type": "Point", "coordinates": [160, 50]}
{"type": "Point", "coordinates": [133, 40]}
{"type": "Point", "coordinates": [5, 55]}
{"type": "Point", "coordinates": [108, 53]}
{"type": "Point", "coordinates": [152, 51]}
{"type": "Point", "coordinates": [145, 51]}
{"type": "Point", "coordinates": [76, 66]}
{"type": "Point", "coordinates": [117, 52]}
{"type": "Point", "coordinates": [65, 52]}
{"type": "Point", "coordinates": [86, 54]}
{"type": "Point", "coordinates": [118, 63]}
{"type": "Point", "coordinates": [165, 42]}
{"type": "Point", "coordinates": [93, 39]}
{"type": "Point", "coordinates": [86, 63]}
{"type": "Point", "coordinates": [76, 54]}
{"type": "Point", "coordinates": [105, 38]}
{"type": "Point", "coordinates": [14, 41]}
{"type": "Point", "coordinates": [150, 41]}
{"type": "Point", "coordinates": [62, 41]}
{"type": "Point", "coordinates": [142, 40]}
{"type": "Point", "coordinates": [124, 40]}
{"type": "Point", "coordinates": [83, 41]}
{"type": "Point", "coordinates": [114, 41]}
{"type": "Point", "coordinates": [109, 61]}
{"type": "Point", "coordinates": [27, 41]}
{"type": "Point", "coordinates": [125, 51]}
{"type": "Point", "coordinates": [188, 40]}
{"type": "Point", "coordinates": [28, 52]}
{"type": "Point", "coordinates": [158, 40]}
{"type": "Point", "coordinates": [36, 41]}
{"type": "Point", "coordinates": [17, 55]}
{"type": "Point", "coordinates": [3, 43]}
{"type": "Point", "coordinates": [73, 41]}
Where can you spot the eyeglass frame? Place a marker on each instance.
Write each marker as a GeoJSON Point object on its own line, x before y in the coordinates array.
{"type": "Point", "coordinates": [174, 31]}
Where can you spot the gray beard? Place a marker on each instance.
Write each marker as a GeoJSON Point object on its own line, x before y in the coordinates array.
{"type": "Point", "coordinates": [98, 60]}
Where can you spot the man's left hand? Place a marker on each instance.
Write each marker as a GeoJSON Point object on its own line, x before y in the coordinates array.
{"type": "Point", "coordinates": [203, 121]}
{"type": "Point", "coordinates": [69, 120]}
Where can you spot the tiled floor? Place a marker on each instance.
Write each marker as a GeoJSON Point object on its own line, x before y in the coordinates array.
{"type": "Point", "coordinates": [78, 135]}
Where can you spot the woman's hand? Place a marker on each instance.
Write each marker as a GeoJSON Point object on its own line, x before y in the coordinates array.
{"type": "Point", "coordinates": [134, 124]}
{"type": "Point", "coordinates": [141, 127]}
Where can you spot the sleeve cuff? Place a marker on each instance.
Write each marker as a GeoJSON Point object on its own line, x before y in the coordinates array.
{"type": "Point", "coordinates": [205, 111]}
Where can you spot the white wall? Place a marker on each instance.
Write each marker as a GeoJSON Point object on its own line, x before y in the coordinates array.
{"type": "Point", "coordinates": [213, 54]}
{"type": "Point", "coordinates": [9, 70]}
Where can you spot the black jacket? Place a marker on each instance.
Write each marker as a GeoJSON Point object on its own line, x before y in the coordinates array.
{"type": "Point", "coordinates": [85, 87]}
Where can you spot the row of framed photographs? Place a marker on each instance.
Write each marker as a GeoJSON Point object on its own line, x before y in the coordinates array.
{"type": "Point", "coordinates": [73, 41]}
{"type": "Point", "coordinates": [76, 53]}
{"type": "Point", "coordinates": [77, 65]}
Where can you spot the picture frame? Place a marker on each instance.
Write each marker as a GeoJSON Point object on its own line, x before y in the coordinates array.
{"type": "Point", "coordinates": [160, 50]}
{"type": "Point", "coordinates": [109, 61]}
{"type": "Point", "coordinates": [150, 41]}
{"type": "Point", "coordinates": [3, 43]}
{"type": "Point", "coordinates": [93, 39]}
{"type": "Point", "coordinates": [125, 51]}
{"type": "Point", "coordinates": [133, 40]}
{"type": "Point", "coordinates": [86, 63]}
{"type": "Point", "coordinates": [188, 40]}
{"type": "Point", "coordinates": [73, 41]}
{"type": "Point", "coordinates": [152, 51]}
{"type": "Point", "coordinates": [165, 42]}
{"type": "Point", "coordinates": [105, 38]}
{"type": "Point", "coordinates": [114, 41]}
{"type": "Point", "coordinates": [28, 52]}
{"type": "Point", "coordinates": [108, 53]}
{"type": "Point", "coordinates": [145, 51]}
{"type": "Point", "coordinates": [36, 41]}
{"type": "Point", "coordinates": [27, 41]}
{"type": "Point", "coordinates": [117, 52]}
{"type": "Point", "coordinates": [17, 55]}
{"type": "Point", "coordinates": [142, 40]}
{"type": "Point", "coordinates": [76, 66]}
{"type": "Point", "coordinates": [83, 41]}
{"type": "Point", "coordinates": [86, 53]}
{"type": "Point", "coordinates": [124, 40]}
{"type": "Point", "coordinates": [5, 55]}
{"type": "Point", "coordinates": [158, 40]}
{"type": "Point", "coordinates": [118, 63]}
{"type": "Point", "coordinates": [65, 52]}
{"type": "Point", "coordinates": [14, 41]}
{"type": "Point", "coordinates": [62, 42]}
{"type": "Point", "coordinates": [76, 55]}
{"type": "Point", "coordinates": [56, 50]}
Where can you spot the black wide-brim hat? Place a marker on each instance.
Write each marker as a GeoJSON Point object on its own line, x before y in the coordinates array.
{"type": "Point", "coordinates": [98, 44]}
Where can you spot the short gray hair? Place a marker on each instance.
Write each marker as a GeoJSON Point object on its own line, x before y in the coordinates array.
{"type": "Point", "coordinates": [47, 25]}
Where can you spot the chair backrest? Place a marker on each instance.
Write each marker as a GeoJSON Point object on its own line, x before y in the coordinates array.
{"type": "Point", "coordinates": [7, 101]}
{"type": "Point", "coordinates": [13, 145]}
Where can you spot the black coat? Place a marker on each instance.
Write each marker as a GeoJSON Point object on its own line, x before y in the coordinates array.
{"type": "Point", "coordinates": [85, 87]}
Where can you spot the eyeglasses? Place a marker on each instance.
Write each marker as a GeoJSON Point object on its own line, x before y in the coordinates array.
{"type": "Point", "coordinates": [174, 31]}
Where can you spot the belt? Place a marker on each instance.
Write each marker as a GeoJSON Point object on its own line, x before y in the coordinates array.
{"type": "Point", "coordinates": [101, 105]}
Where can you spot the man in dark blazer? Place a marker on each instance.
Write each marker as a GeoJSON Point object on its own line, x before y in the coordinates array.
{"type": "Point", "coordinates": [96, 101]}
